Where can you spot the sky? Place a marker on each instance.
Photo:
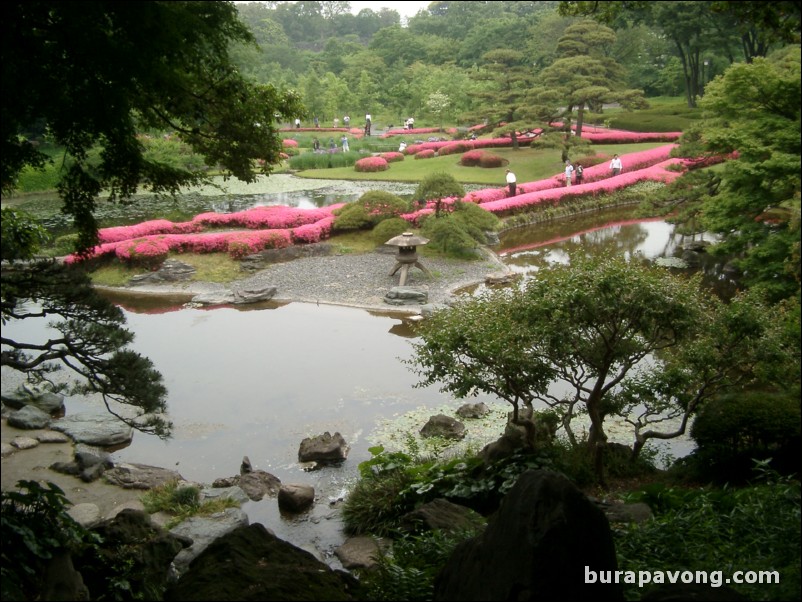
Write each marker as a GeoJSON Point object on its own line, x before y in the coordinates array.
{"type": "Point", "coordinates": [405, 9]}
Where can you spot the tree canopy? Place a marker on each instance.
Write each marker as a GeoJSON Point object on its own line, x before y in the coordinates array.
{"type": "Point", "coordinates": [578, 337]}
{"type": "Point", "coordinates": [96, 75]}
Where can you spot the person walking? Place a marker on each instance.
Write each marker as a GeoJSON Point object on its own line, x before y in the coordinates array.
{"type": "Point", "coordinates": [316, 122]}
{"type": "Point", "coordinates": [344, 141]}
{"type": "Point", "coordinates": [569, 172]}
{"type": "Point", "coordinates": [579, 170]}
{"type": "Point", "coordinates": [297, 123]}
{"type": "Point", "coordinates": [512, 183]}
{"type": "Point", "coordinates": [346, 121]}
{"type": "Point", "coordinates": [615, 165]}
{"type": "Point", "coordinates": [367, 124]}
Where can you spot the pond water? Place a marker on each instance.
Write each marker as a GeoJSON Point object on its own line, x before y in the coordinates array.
{"type": "Point", "coordinates": [255, 381]}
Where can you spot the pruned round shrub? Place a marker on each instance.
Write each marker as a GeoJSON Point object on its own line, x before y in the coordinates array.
{"type": "Point", "coordinates": [471, 158]}
{"type": "Point", "coordinates": [491, 160]}
{"type": "Point", "coordinates": [425, 154]}
{"type": "Point", "coordinates": [389, 228]}
{"type": "Point", "coordinates": [392, 156]}
{"type": "Point", "coordinates": [369, 164]}
{"type": "Point", "coordinates": [289, 142]}
{"type": "Point", "coordinates": [733, 430]}
{"type": "Point", "coordinates": [368, 210]}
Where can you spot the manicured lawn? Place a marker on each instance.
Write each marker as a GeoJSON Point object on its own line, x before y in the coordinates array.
{"type": "Point", "coordinates": [527, 164]}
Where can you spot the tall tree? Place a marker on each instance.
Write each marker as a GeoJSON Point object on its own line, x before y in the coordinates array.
{"type": "Point", "coordinates": [752, 113]}
{"type": "Point", "coordinates": [586, 75]}
{"type": "Point", "coordinates": [501, 102]}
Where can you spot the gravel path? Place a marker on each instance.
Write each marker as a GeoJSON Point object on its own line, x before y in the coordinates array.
{"type": "Point", "coordinates": [358, 280]}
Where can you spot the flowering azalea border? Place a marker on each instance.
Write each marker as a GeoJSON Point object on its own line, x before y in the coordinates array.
{"type": "Point", "coordinates": [281, 226]}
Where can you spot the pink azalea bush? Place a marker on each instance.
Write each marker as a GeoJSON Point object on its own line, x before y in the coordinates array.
{"type": "Point", "coordinates": [425, 154]}
{"type": "Point", "coordinates": [471, 158]}
{"type": "Point", "coordinates": [289, 142]}
{"type": "Point", "coordinates": [369, 164]}
{"type": "Point", "coordinates": [392, 156]}
{"type": "Point", "coordinates": [151, 251]}
{"type": "Point", "coordinates": [456, 147]}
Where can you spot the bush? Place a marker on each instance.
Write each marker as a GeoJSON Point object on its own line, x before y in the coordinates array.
{"type": "Point", "coordinates": [491, 160]}
{"type": "Point", "coordinates": [371, 164]}
{"type": "Point", "coordinates": [388, 229]}
{"type": "Point", "coordinates": [471, 158]}
{"type": "Point", "coordinates": [392, 156]}
{"type": "Point", "coordinates": [424, 154]}
{"type": "Point", "coordinates": [371, 208]}
{"type": "Point", "coordinates": [725, 528]}
{"type": "Point", "coordinates": [734, 429]}
{"type": "Point", "coordinates": [450, 236]}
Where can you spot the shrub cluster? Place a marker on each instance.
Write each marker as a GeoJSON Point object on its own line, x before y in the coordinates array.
{"type": "Point", "coordinates": [369, 210]}
{"type": "Point", "coordinates": [425, 154]}
{"type": "Point", "coordinates": [371, 164]}
{"type": "Point", "coordinates": [392, 156]}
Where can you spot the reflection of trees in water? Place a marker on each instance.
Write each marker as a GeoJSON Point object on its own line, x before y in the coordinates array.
{"type": "Point", "coordinates": [538, 247]}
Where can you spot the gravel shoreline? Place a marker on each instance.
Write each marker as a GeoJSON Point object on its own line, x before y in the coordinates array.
{"type": "Point", "coordinates": [356, 280]}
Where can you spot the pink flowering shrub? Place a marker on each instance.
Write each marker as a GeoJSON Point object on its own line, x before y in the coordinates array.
{"type": "Point", "coordinates": [289, 142]}
{"type": "Point", "coordinates": [150, 252]}
{"type": "Point", "coordinates": [471, 158]}
{"type": "Point", "coordinates": [371, 164]}
{"type": "Point", "coordinates": [313, 232]}
{"type": "Point", "coordinates": [392, 156]}
{"type": "Point", "coordinates": [456, 147]}
{"type": "Point", "coordinates": [424, 154]}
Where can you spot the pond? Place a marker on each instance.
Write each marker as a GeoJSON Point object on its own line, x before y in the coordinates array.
{"type": "Point", "coordinates": [255, 381]}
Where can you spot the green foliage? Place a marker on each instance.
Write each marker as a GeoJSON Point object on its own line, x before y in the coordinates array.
{"type": "Point", "coordinates": [753, 109]}
{"type": "Point", "coordinates": [459, 233]}
{"type": "Point", "coordinates": [368, 210]}
{"type": "Point", "coordinates": [450, 236]}
{"type": "Point", "coordinates": [35, 527]}
{"type": "Point", "coordinates": [732, 430]}
{"type": "Point", "coordinates": [751, 529]}
{"type": "Point", "coordinates": [438, 186]}
{"type": "Point", "coordinates": [91, 94]}
{"type": "Point", "coordinates": [22, 236]}
{"type": "Point", "coordinates": [389, 228]}
{"type": "Point", "coordinates": [393, 484]}
{"type": "Point", "coordinates": [183, 501]}
{"type": "Point", "coordinates": [408, 572]}
{"type": "Point", "coordinates": [304, 161]}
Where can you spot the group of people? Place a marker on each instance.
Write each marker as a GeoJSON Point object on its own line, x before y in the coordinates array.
{"type": "Point", "coordinates": [616, 166]}
{"type": "Point", "coordinates": [409, 123]}
{"type": "Point", "coordinates": [332, 144]}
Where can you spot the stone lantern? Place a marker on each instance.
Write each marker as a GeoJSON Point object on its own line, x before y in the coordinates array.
{"type": "Point", "coordinates": [407, 255]}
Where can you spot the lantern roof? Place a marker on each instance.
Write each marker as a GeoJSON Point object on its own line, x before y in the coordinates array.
{"type": "Point", "coordinates": [407, 239]}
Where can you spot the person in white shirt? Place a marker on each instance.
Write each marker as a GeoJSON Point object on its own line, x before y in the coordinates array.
{"type": "Point", "coordinates": [615, 165]}
{"type": "Point", "coordinates": [569, 173]}
{"type": "Point", "coordinates": [511, 183]}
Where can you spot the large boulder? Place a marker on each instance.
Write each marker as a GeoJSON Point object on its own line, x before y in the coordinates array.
{"type": "Point", "coordinates": [102, 430]}
{"type": "Point", "coordinates": [443, 426]}
{"type": "Point", "coordinates": [250, 563]}
{"type": "Point", "coordinates": [536, 547]}
{"type": "Point", "coordinates": [323, 449]}
{"type": "Point", "coordinates": [40, 396]}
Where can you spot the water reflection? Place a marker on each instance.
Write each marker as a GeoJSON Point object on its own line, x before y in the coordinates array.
{"type": "Point", "coordinates": [527, 250]}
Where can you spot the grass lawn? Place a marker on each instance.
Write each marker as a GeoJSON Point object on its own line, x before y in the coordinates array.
{"type": "Point", "coordinates": [528, 165]}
